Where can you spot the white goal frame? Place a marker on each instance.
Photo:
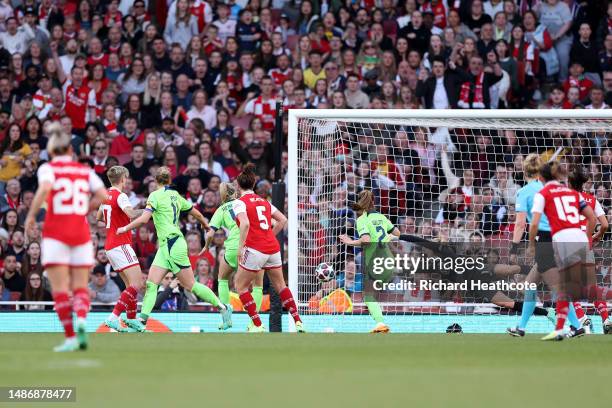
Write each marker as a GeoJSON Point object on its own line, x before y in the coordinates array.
{"type": "Point", "coordinates": [395, 116]}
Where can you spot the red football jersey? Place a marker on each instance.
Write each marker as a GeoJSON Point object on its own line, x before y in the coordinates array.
{"type": "Point", "coordinates": [561, 204]}
{"type": "Point", "coordinates": [115, 218]}
{"type": "Point", "coordinates": [77, 103]}
{"type": "Point", "coordinates": [259, 211]}
{"type": "Point", "coordinates": [595, 206]}
{"type": "Point", "coordinates": [68, 201]}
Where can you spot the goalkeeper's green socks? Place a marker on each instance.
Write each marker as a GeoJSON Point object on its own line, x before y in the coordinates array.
{"type": "Point", "coordinates": [224, 294]}
{"type": "Point", "coordinates": [148, 301]}
{"type": "Point", "coordinates": [375, 311]}
{"type": "Point", "coordinates": [257, 294]}
{"type": "Point", "coordinates": [207, 295]}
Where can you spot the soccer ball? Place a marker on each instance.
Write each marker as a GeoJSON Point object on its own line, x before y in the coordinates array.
{"type": "Point", "coordinates": [325, 272]}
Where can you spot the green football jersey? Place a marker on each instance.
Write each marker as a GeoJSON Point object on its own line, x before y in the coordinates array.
{"type": "Point", "coordinates": [223, 218]}
{"type": "Point", "coordinates": [166, 205]}
{"type": "Point", "coordinates": [376, 225]}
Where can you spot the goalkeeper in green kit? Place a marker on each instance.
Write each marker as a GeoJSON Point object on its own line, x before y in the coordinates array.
{"type": "Point", "coordinates": [372, 227]}
{"type": "Point", "coordinates": [165, 206]}
{"type": "Point", "coordinates": [224, 218]}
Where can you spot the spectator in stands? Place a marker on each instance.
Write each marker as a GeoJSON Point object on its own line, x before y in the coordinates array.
{"type": "Point", "coordinates": [440, 91]}
{"type": "Point", "coordinates": [355, 97]}
{"type": "Point", "coordinates": [102, 289]}
{"type": "Point", "coordinates": [11, 275]}
{"type": "Point", "coordinates": [31, 262]}
{"type": "Point", "coordinates": [10, 223]}
{"type": "Point", "coordinates": [17, 246]}
{"type": "Point", "coordinates": [144, 247]}
{"type": "Point", "coordinates": [556, 16]}
{"type": "Point", "coordinates": [170, 296]}
{"type": "Point", "coordinates": [503, 185]}
{"type": "Point", "coordinates": [35, 292]}
{"type": "Point", "coordinates": [203, 273]}
{"type": "Point", "coordinates": [13, 153]}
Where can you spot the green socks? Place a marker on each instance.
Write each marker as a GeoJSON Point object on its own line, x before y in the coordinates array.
{"type": "Point", "coordinates": [206, 294]}
{"type": "Point", "coordinates": [149, 300]}
{"type": "Point", "coordinates": [375, 311]}
{"type": "Point", "coordinates": [224, 293]}
{"type": "Point", "coordinates": [257, 294]}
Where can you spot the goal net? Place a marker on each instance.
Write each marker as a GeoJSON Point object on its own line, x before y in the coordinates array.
{"type": "Point", "coordinates": [448, 181]}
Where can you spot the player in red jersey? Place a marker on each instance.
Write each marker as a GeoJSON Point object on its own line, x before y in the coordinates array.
{"type": "Point", "coordinates": [563, 207]}
{"type": "Point", "coordinates": [115, 212]}
{"type": "Point", "coordinates": [576, 180]}
{"type": "Point", "coordinates": [259, 249]}
{"type": "Point", "coordinates": [67, 255]}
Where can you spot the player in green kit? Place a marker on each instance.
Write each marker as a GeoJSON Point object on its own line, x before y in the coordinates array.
{"type": "Point", "coordinates": [372, 227]}
{"type": "Point", "coordinates": [165, 206]}
{"type": "Point", "coordinates": [224, 218]}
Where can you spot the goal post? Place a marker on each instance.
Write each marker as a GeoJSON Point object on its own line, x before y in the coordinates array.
{"type": "Point", "coordinates": [415, 162]}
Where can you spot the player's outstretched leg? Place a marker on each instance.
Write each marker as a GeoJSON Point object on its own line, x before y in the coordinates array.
{"type": "Point", "coordinates": [376, 313]}
{"type": "Point", "coordinates": [562, 310]}
{"type": "Point", "coordinates": [63, 308]}
{"type": "Point", "coordinates": [528, 306]}
{"type": "Point", "coordinates": [124, 303]}
{"type": "Point", "coordinates": [602, 309]}
{"type": "Point", "coordinates": [203, 292]}
{"type": "Point", "coordinates": [287, 300]}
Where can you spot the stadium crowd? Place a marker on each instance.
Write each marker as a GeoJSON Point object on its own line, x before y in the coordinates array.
{"type": "Point", "coordinates": [192, 85]}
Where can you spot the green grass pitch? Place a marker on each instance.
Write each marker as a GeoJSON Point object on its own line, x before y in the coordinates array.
{"type": "Point", "coordinates": [314, 370]}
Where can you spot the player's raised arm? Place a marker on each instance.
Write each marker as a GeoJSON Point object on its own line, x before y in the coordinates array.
{"type": "Point", "coordinates": [198, 216]}
{"type": "Point", "coordinates": [141, 220]}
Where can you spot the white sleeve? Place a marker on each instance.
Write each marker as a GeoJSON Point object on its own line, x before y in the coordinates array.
{"type": "Point", "coordinates": [45, 174]}
{"type": "Point", "coordinates": [250, 106]}
{"type": "Point", "coordinates": [238, 207]}
{"type": "Point", "coordinates": [123, 201]}
{"type": "Point", "coordinates": [273, 209]}
{"type": "Point", "coordinates": [91, 99]}
{"type": "Point", "coordinates": [95, 183]}
{"type": "Point", "coordinates": [538, 203]}
{"type": "Point", "coordinates": [599, 211]}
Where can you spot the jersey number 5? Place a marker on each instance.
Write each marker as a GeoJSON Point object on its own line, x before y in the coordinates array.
{"type": "Point", "coordinates": [565, 210]}
{"type": "Point", "coordinates": [263, 221]}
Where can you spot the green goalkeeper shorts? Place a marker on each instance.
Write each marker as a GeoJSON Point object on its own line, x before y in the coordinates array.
{"type": "Point", "coordinates": [173, 255]}
{"type": "Point", "coordinates": [231, 257]}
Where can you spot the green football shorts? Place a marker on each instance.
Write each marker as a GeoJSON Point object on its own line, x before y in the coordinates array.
{"type": "Point", "coordinates": [173, 255]}
{"type": "Point", "coordinates": [231, 257]}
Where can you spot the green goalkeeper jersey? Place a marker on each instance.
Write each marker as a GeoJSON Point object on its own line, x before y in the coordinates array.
{"type": "Point", "coordinates": [166, 205]}
{"type": "Point", "coordinates": [376, 225]}
{"type": "Point", "coordinates": [224, 217]}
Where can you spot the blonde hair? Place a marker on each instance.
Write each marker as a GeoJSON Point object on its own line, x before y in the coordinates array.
{"type": "Point", "coordinates": [365, 202]}
{"type": "Point", "coordinates": [163, 176]}
{"type": "Point", "coordinates": [228, 192]}
{"type": "Point", "coordinates": [531, 165]}
{"type": "Point", "coordinates": [59, 141]}
{"type": "Point", "coordinates": [116, 173]}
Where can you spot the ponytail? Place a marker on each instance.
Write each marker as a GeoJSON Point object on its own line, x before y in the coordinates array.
{"type": "Point", "coordinates": [246, 179]}
{"type": "Point", "coordinates": [163, 176]}
{"type": "Point", "coordinates": [551, 171]}
{"type": "Point", "coordinates": [365, 202]}
{"type": "Point", "coordinates": [59, 141]}
{"type": "Point", "coordinates": [576, 177]}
